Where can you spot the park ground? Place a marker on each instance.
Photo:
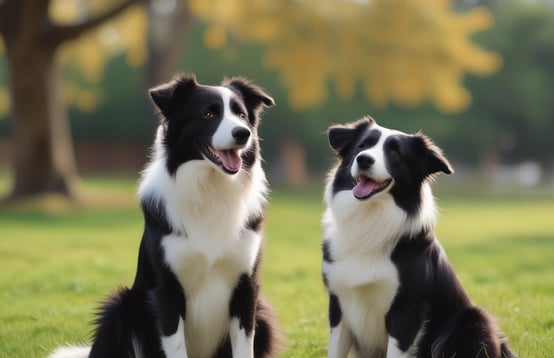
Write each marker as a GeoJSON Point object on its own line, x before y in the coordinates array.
{"type": "Point", "coordinates": [57, 260]}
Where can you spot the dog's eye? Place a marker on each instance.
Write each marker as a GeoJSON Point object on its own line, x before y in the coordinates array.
{"type": "Point", "coordinates": [242, 116]}
{"type": "Point", "coordinates": [208, 115]}
{"type": "Point", "coordinates": [393, 150]}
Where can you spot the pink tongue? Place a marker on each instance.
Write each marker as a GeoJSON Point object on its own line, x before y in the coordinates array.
{"type": "Point", "coordinates": [363, 187]}
{"type": "Point", "coordinates": [230, 159]}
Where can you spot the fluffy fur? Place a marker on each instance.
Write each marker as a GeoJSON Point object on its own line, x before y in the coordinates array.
{"type": "Point", "coordinates": [203, 196]}
{"type": "Point", "coordinates": [392, 291]}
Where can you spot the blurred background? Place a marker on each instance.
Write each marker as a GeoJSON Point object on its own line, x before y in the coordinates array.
{"type": "Point", "coordinates": [475, 75]}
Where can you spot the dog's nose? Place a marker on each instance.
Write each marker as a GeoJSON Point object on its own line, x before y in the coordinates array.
{"type": "Point", "coordinates": [364, 161]}
{"type": "Point", "coordinates": [241, 134]}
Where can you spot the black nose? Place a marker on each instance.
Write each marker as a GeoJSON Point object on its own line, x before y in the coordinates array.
{"type": "Point", "coordinates": [241, 134]}
{"type": "Point", "coordinates": [364, 161]}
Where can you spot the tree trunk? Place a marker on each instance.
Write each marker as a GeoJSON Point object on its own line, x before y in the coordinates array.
{"type": "Point", "coordinates": [43, 157]}
{"type": "Point", "coordinates": [166, 39]}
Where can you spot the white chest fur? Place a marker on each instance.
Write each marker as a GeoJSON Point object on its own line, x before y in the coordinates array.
{"type": "Point", "coordinates": [210, 247]}
{"type": "Point", "coordinates": [366, 287]}
{"type": "Point", "coordinates": [360, 272]}
{"type": "Point", "coordinates": [208, 286]}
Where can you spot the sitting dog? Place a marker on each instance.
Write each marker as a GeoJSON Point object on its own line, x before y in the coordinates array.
{"type": "Point", "coordinates": [203, 196]}
{"type": "Point", "coordinates": [392, 291]}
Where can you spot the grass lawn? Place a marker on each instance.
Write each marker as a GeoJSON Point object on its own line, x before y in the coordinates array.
{"type": "Point", "coordinates": [57, 261]}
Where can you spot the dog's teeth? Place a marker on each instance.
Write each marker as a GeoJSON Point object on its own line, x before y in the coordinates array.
{"type": "Point", "coordinates": [213, 152]}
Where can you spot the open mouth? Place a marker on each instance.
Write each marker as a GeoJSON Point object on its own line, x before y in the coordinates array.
{"type": "Point", "coordinates": [366, 187]}
{"type": "Point", "coordinates": [228, 159]}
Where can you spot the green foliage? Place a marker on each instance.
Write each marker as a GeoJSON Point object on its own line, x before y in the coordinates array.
{"type": "Point", "coordinates": [124, 112]}
{"type": "Point", "coordinates": [516, 103]}
{"type": "Point", "coordinates": [57, 265]}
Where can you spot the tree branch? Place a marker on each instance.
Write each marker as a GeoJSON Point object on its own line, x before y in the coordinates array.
{"type": "Point", "coordinates": [58, 34]}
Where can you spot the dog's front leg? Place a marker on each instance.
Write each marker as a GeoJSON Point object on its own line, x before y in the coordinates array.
{"type": "Point", "coordinates": [169, 302]}
{"type": "Point", "coordinates": [404, 325]}
{"type": "Point", "coordinates": [340, 338]}
{"type": "Point", "coordinates": [340, 341]}
{"type": "Point", "coordinates": [393, 351]}
{"type": "Point", "coordinates": [174, 345]}
{"type": "Point", "coordinates": [242, 310]}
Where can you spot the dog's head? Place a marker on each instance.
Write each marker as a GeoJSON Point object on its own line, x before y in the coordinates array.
{"type": "Point", "coordinates": [217, 124]}
{"type": "Point", "coordinates": [375, 162]}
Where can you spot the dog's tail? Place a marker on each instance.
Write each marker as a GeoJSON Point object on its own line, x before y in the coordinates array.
{"type": "Point", "coordinates": [268, 339]}
{"type": "Point", "coordinates": [506, 351]}
{"type": "Point", "coordinates": [124, 328]}
{"type": "Point", "coordinates": [472, 333]}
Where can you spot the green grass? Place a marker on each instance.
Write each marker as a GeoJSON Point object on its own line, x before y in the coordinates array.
{"type": "Point", "coordinates": [58, 261]}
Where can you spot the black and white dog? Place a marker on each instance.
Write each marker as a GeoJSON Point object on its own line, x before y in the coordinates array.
{"type": "Point", "coordinates": [203, 196]}
{"type": "Point", "coordinates": [392, 291]}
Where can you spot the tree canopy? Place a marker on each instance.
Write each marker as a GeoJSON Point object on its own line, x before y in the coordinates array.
{"type": "Point", "coordinates": [404, 51]}
{"type": "Point", "coordinates": [401, 50]}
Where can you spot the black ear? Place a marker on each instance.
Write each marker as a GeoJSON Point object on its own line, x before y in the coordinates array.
{"type": "Point", "coordinates": [342, 136]}
{"type": "Point", "coordinates": [433, 159]}
{"type": "Point", "coordinates": [253, 95]}
{"type": "Point", "coordinates": [166, 95]}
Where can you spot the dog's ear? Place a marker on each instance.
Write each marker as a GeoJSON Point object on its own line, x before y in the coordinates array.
{"type": "Point", "coordinates": [433, 160]}
{"type": "Point", "coordinates": [341, 136]}
{"type": "Point", "coordinates": [254, 96]}
{"type": "Point", "coordinates": [167, 96]}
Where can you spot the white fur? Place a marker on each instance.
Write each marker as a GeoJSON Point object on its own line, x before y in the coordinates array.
{"type": "Point", "coordinates": [70, 352]}
{"type": "Point", "coordinates": [137, 348]}
{"type": "Point", "coordinates": [243, 345]}
{"type": "Point", "coordinates": [210, 247]}
{"type": "Point", "coordinates": [393, 351]}
{"type": "Point", "coordinates": [174, 345]}
{"type": "Point", "coordinates": [378, 170]}
{"type": "Point", "coordinates": [372, 225]}
{"type": "Point", "coordinates": [361, 235]}
{"type": "Point", "coordinates": [84, 352]}
{"type": "Point", "coordinates": [340, 341]}
{"type": "Point", "coordinates": [222, 138]}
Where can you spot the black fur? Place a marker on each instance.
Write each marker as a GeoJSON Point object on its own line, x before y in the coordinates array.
{"type": "Point", "coordinates": [335, 312]}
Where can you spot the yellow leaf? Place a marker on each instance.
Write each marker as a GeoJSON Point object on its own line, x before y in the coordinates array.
{"type": "Point", "coordinates": [451, 98]}
{"type": "Point", "coordinates": [132, 27]}
{"type": "Point", "coordinates": [376, 92]}
{"type": "Point", "coordinates": [215, 37]}
{"type": "Point", "coordinates": [402, 50]}
{"type": "Point", "coordinates": [84, 99]}
{"type": "Point", "coordinates": [86, 57]}
{"type": "Point", "coordinates": [345, 83]}
{"type": "Point", "coordinates": [66, 11]}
